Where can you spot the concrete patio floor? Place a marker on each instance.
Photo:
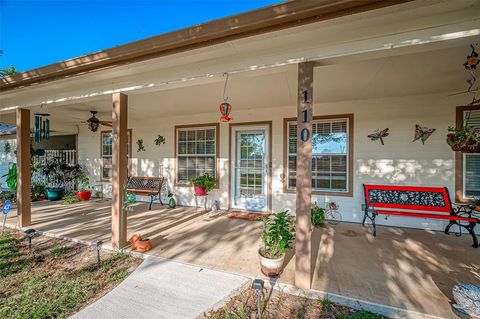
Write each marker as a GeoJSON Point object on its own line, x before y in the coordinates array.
{"type": "Point", "coordinates": [405, 268]}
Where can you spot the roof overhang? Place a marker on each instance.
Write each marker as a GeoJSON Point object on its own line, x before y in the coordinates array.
{"type": "Point", "coordinates": [268, 19]}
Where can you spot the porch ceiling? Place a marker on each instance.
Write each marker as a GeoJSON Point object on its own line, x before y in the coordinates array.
{"type": "Point", "coordinates": [437, 71]}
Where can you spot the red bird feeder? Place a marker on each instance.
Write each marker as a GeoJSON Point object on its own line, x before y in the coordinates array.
{"type": "Point", "coordinates": [225, 109]}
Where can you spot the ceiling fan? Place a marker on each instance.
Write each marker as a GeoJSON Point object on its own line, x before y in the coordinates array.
{"type": "Point", "coordinates": [94, 122]}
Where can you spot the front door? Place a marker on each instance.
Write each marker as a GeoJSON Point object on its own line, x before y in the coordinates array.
{"type": "Point", "coordinates": [250, 168]}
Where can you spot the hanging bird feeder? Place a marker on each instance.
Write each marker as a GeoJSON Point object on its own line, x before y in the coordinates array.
{"type": "Point", "coordinates": [225, 107]}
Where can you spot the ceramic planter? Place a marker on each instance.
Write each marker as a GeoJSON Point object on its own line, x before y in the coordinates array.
{"type": "Point", "coordinates": [199, 190]}
{"type": "Point", "coordinates": [270, 267]}
{"type": "Point", "coordinates": [55, 193]}
{"type": "Point", "coordinates": [83, 195]}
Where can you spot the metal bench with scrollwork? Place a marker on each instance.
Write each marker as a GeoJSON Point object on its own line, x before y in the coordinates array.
{"type": "Point", "coordinates": [147, 186]}
{"type": "Point", "coordinates": [419, 202]}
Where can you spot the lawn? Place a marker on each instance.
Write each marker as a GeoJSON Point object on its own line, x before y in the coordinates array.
{"type": "Point", "coordinates": [283, 305]}
{"type": "Point", "coordinates": [56, 278]}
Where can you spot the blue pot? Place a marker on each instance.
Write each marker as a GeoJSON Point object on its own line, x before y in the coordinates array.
{"type": "Point", "coordinates": [55, 193]}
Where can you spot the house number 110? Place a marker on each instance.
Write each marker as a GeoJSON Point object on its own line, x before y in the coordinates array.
{"type": "Point", "coordinates": [305, 133]}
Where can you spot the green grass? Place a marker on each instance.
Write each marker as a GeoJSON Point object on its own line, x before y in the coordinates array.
{"type": "Point", "coordinates": [49, 283]}
{"type": "Point", "coordinates": [57, 251]}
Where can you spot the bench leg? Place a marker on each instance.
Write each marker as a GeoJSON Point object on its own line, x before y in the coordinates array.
{"type": "Point", "coordinates": [447, 229]}
{"type": "Point", "coordinates": [151, 202]}
{"type": "Point", "coordinates": [471, 230]}
{"type": "Point", "coordinates": [374, 226]}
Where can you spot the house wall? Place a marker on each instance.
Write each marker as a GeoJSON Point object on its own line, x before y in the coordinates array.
{"type": "Point", "coordinates": [399, 161]}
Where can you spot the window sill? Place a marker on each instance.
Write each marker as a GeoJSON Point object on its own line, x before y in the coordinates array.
{"type": "Point", "coordinates": [332, 193]}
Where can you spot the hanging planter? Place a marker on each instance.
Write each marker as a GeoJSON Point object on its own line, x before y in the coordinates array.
{"type": "Point", "coordinates": [465, 139]}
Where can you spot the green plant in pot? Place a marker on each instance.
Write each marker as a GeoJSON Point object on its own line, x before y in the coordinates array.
{"type": "Point", "coordinates": [476, 203]}
{"type": "Point", "coordinates": [82, 182]}
{"type": "Point", "coordinates": [278, 235]}
{"type": "Point", "coordinates": [57, 174]}
{"type": "Point", "coordinates": [318, 216]}
{"type": "Point", "coordinates": [465, 139]}
{"type": "Point", "coordinates": [203, 184]}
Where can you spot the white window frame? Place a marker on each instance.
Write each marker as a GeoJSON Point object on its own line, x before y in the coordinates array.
{"type": "Point", "coordinates": [215, 155]}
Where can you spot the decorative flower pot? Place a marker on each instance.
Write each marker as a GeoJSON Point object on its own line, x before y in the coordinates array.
{"type": "Point", "coordinates": [199, 190]}
{"type": "Point", "coordinates": [83, 195]}
{"type": "Point", "coordinates": [270, 267]}
{"type": "Point", "coordinates": [55, 193]}
{"type": "Point", "coordinates": [139, 244]}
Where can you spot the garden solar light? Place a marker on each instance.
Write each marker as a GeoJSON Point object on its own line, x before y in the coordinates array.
{"type": "Point", "coordinates": [257, 286]}
{"type": "Point", "coordinates": [97, 245]}
{"type": "Point", "coordinates": [30, 233]}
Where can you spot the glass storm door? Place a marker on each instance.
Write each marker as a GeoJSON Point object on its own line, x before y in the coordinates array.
{"type": "Point", "coordinates": [250, 167]}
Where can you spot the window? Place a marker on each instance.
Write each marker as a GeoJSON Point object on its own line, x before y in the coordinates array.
{"type": "Point", "coordinates": [471, 162]}
{"type": "Point", "coordinates": [196, 151]}
{"type": "Point", "coordinates": [332, 146]}
{"type": "Point", "coordinates": [106, 152]}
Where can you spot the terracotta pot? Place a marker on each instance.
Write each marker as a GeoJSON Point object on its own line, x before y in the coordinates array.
{"type": "Point", "coordinates": [477, 208]}
{"type": "Point", "coordinates": [83, 195]}
{"type": "Point", "coordinates": [199, 190]}
{"type": "Point", "coordinates": [270, 267]}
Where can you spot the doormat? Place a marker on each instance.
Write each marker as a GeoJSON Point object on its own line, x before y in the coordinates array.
{"type": "Point", "coordinates": [245, 215]}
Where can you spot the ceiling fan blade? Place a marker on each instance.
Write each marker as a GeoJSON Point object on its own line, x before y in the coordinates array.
{"type": "Point", "coordinates": [106, 123]}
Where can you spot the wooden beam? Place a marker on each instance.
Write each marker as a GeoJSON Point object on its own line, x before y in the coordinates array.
{"type": "Point", "coordinates": [119, 168]}
{"type": "Point", "coordinates": [23, 168]}
{"type": "Point", "coordinates": [303, 241]}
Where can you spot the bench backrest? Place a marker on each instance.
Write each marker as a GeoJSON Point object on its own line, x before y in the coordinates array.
{"type": "Point", "coordinates": [432, 199]}
{"type": "Point", "coordinates": [143, 182]}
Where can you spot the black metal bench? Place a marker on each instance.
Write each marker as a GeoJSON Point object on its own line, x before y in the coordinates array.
{"type": "Point", "coordinates": [147, 186]}
{"type": "Point", "coordinates": [419, 202]}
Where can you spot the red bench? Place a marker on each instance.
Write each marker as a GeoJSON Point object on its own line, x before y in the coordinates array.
{"type": "Point", "coordinates": [419, 202]}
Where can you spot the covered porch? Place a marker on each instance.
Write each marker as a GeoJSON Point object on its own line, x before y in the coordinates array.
{"type": "Point", "coordinates": [405, 268]}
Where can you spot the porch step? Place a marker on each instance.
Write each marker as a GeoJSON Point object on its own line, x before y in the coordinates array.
{"type": "Point", "coordinates": [162, 288]}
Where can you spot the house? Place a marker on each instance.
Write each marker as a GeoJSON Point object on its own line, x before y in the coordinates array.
{"type": "Point", "coordinates": [339, 69]}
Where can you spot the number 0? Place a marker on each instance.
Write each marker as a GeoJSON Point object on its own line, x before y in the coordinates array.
{"type": "Point", "coordinates": [305, 135]}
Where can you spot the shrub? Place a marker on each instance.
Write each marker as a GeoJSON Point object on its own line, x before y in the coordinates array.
{"type": "Point", "coordinates": [318, 216]}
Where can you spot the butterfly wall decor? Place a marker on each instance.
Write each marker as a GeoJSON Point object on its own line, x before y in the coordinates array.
{"type": "Point", "coordinates": [379, 135]}
{"type": "Point", "coordinates": [422, 133]}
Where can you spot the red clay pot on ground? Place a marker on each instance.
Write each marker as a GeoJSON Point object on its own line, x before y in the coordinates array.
{"type": "Point", "coordinates": [199, 190]}
{"type": "Point", "coordinates": [83, 195]}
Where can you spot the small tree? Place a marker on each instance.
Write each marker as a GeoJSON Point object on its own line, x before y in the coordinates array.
{"type": "Point", "coordinates": [7, 71]}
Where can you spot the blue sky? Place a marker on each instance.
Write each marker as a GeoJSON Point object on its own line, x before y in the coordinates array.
{"type": "Point", "coordinates": [37, 33]}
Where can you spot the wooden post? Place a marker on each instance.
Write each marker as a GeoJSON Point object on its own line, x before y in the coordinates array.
{"type": "Point", "coordinates": [119, 168]}
{"type": "Point", "coordinates": [303, 241]}
{"type": "Point", "coordinates": [23, 168]}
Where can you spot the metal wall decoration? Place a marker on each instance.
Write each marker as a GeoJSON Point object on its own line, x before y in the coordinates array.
{"type": "Point", "coordinates": [42, 127]}
{"type": "Point", "coordinates": [7, 148]}
{"type": "Point", "coordinates": [471, 65]}
{"type": "Point", "coordinates": [225, 107]}
{"type": "Point", "coordinates": [160, 140]}
{"type": "Point", "coordinates": [379, 135]}
{"type": "Point", "coordinates": [140, 147]}
{"type": "Point", "coordinates": [422, 133]}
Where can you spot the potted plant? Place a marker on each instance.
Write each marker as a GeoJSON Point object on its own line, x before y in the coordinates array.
{"type": "Point", "coordinates": [278, 234]}
{"type": "Point", "coordinates": [83, 193]}
{"type": "Point", "coordinates": [82, 181]}
{"type": "Point", "coordinates": [203, 184]}
{"type": "Point", "coordinates": [476, 203]}
{"type": "Point", "coordinates": [57, 174]}
{"type": "Point", "coordinates": [318, 216]}
{"type": "Point", "coordinates": [465, 139]}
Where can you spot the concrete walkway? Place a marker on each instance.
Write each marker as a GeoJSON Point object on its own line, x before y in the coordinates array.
{"type": "Point", "coordinates": [162, 288]}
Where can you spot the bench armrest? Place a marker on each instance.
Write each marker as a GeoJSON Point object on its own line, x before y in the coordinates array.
{"type": "Point", "coordinates": [463, 210]}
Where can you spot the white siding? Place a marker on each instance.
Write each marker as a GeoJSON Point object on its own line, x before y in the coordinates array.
{"type": "Point", "coordinates": [398, 161]}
